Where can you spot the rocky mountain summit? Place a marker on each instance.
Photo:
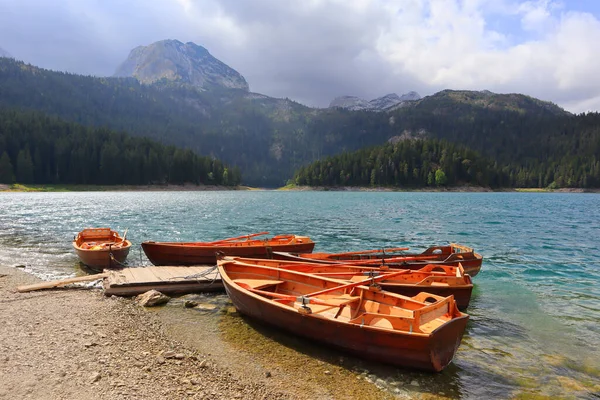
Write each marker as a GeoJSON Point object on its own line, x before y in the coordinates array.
{"type": "Point", "coordinates": [178, 62]}
{"type": "Point", "coordinates": [4, 53]}
{"type": "Point", "coordinates": [385, 103]}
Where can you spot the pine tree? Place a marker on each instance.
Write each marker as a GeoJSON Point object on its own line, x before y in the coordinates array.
{"type": "Point", "coordinates": [6, 169]}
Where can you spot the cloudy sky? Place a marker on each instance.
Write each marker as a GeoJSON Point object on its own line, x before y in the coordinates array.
{"type": "Point", "coordinates": [314, 50]}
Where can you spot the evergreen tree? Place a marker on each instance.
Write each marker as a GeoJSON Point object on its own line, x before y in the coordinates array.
{"type": "Point", "coordinates": [6, 169]}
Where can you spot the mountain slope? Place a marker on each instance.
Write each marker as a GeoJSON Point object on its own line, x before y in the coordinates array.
{"type": "Point", "coordinates": [186, 63]}
{"type": "Point", "coordinates": [270, 138]}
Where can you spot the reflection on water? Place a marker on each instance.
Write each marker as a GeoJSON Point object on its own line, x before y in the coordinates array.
{"type": "Point", "coordinates": [535, 311]}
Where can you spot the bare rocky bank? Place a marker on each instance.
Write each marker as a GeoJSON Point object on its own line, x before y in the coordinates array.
{"type": "Point", "coordinates": [79, 344]}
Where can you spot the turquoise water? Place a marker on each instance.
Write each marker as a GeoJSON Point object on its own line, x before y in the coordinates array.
{"type": "Point", "coordinates": [535, 315]}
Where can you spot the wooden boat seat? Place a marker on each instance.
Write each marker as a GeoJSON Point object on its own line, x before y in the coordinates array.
{"type": "Point", "coordinates": [258, 283]}
{"type": "Point", "coordinates": [335, 301]}
{"type": "Point", "coordinates": [386, 321]}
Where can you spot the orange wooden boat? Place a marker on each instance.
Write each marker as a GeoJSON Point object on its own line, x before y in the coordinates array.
{"type": "Point", "coordinates": [438, 279]}
{"type": "Point", "coordinates": [453, 254]}
{"type": "Point", "coordinates": [194, 253]}
{"type": "Point", "coordinates": [422, 332]}
{"type": "Point", "coordinates": [94, 247]}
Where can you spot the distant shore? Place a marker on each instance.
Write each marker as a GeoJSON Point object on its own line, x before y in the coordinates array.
{"type": "Point", "coordinates": [437, 189]}
{"type": "Point", "coordinates": [203, 188]}
{"type": "Point", "coordinates": [117, 188]}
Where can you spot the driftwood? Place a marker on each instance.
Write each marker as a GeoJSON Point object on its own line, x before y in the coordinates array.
{"type": "Point", "coordinates": [62, 282]}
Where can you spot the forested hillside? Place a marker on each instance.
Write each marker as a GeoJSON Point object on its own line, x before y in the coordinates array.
{"type": "Point", "coordinates": [416, 163]}
{"type": "Point", "coordinates": [536, 143]}
{"type": "Point", "coordinates": [38, 149]}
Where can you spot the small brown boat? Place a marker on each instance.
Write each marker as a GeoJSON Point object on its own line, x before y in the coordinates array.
{"type": "Point", "coordinates": [195, 253]}
{"type": "Point", "coordinates": [438, 279]}
{"type": "Point", "coordinates": [453, 254]}
{"type": "Point", "coordinates": [95, 246]}
{"type": "Point", "coordinates": [422, 332]}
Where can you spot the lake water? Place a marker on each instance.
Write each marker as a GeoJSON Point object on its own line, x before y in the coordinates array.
{"type": "Point", "coordinates": [535, 312]}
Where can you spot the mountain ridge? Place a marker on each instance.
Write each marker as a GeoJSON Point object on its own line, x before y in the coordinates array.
{"type": "Point", "coordinates": [387, 102]}
{"type": "Point", "coordinates": [269, 138]}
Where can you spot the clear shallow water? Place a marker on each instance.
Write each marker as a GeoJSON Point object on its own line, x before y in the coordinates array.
{"type": "Point", "coordinates": [535, 315]}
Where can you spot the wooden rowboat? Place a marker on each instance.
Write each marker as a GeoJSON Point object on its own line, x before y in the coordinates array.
{"type": "Point", "coordinates": [194, 253]}
{"type": "Point", "coordinates": [438, 279]}
{"type": "Point", "coordinates": [94, 247]}
{"type": "Point", "coordinates": [422, 332]}
{"type": "Point", "coordinates": [453, 254]}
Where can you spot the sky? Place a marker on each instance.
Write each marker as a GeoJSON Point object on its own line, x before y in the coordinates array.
{"type": "Point", "coordinates": [312, 51]}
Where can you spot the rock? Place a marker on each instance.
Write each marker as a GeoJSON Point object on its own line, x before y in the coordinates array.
{"type": "Point", "coordinates": [160, 360]}
{"type": "Point", "coordinates": [207, 307]}
{"type": "Point", "coordinates": [179, 356]}
{"type": "Point", "coordinates": [202, 364]}
{"type": "Point", "coordinates": [20, 266]}
{"type": "Point", "coordinates": [95, 377]}
{"type": "Point", "coordinates": [169, 354]}
{"type": "Point", "coordinates": [268, 374]}
{"type": "Point", "coordinates": [190, 303]}
{"type": "Point", "coordinates": [414, 383]}
{"type": "Point", "coordinates": [90, 344]}
{"type": "Point", "coordinates": [152, 298]}
{"type": "Point", "coordinates": [327, 372]}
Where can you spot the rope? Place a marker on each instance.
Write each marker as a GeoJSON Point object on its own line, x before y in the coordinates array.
{"type": "Point", "coordinates": [200, 275]}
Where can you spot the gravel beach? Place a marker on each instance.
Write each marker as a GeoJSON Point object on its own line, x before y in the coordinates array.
{"type": "Point", "coordinates": [79, 344]}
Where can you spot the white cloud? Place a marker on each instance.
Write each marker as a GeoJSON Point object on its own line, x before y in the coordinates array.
{"type": "Point", "coordinates": [312, 51]}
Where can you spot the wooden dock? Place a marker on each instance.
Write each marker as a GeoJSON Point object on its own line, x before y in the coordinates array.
{"type": "Point", "coordinates": [168, 280]}
{"type": "Point", "coordinates": [137, 280]}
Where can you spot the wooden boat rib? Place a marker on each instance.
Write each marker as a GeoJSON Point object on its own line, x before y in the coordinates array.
{"type": "Point", "coordinates": [95, 246]}
{"type": "Point", "coordinates": [453, 254]}
{"type": "Point", "coordinates": [194, 253]}
{"type": "Point", "coordinates": [422, 332]}
{"type": "Point", "coordinates": [442, 280]}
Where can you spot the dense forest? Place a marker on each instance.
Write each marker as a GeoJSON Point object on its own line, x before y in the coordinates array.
{"type": "Point", "coordinates": [528, 142]}
{"type": "Point", "coordinates": [35, 148]}
{"type": "Point", "coordinates": [414, 163]}
{"type": "Point", "coordinates": [409, 163]}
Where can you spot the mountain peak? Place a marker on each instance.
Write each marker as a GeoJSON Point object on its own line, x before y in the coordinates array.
{"type": "Point", "coordinates": [175, 61]}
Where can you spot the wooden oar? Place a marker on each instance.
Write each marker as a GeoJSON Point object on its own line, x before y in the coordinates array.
{"type": "Point", "coordinates": [357, 253]}
{"type": "Point", "coordinates": [124, 235]}
{"type": "Point", "coordinates": [62, 282]}
{"type": "Point", "coordinates": [392, 260]}
{"type": "Point", "coordinates": [239, 237]}
{"type": "Point", "coordinates": [280, 296]}
{"type": "Point", "coordinates": [360, 283]}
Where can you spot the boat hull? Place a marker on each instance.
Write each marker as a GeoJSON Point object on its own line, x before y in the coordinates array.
{"type": "Point", "coordinates": [100, 259]}
{"type": "Point", "coordinates": [94, 247]}
{"type": "Point", "coordinates": [424, 352]}
{"type": "Point", "coordinates": [471, 265]}
{"type": "Point", "coordinates": [162, 253]}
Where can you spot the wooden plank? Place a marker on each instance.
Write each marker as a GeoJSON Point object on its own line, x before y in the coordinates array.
{"type": "Point", "coordinates": [127, 275]}
{"type": "Point", "coordinates": [143, 275]}
{"type": "Point", "coordinates": [58, 283]}
{"type": "Point", "coordinates": [169, 273]}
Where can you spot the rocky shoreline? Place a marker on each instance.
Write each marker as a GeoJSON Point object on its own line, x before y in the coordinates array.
{"type": "Point", "coordinates": [73, 344]}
